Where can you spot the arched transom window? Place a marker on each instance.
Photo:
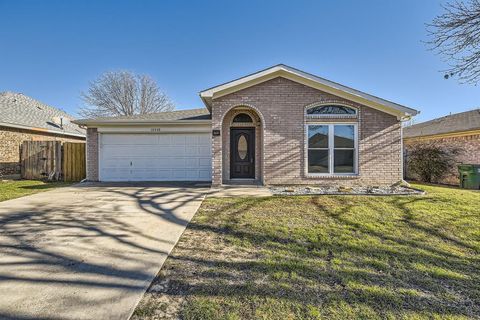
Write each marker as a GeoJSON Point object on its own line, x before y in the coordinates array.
{"type": "Point", "coordinates": [331, 110]}
{"type": "Point", "coordinates": [242, 117]}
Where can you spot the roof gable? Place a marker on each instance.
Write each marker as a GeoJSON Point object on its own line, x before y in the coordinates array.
{"type": "Point", "coordinates": [309, 80]}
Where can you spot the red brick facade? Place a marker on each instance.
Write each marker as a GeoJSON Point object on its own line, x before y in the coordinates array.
{"type": "Point", "coordinates": [11, 140]}
{"type": "Point", "coordinates": [280, 106]}
{"type": "Point", "coordinates": [469, 146]}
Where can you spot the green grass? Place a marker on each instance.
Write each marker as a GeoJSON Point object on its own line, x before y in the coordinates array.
{"type": "Point", "coordinates": [328, 257]}
{"type": "Point", "coordinates": [12, 189]}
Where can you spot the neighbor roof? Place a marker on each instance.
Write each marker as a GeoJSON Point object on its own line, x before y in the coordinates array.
{"type": "Point", "coordinates": [19, 111]}
{"type": "Point", "coordinates": [459, 122]}
{"type": "Point", "coordinates": [308, 79]}
{"type": "Point", "coordinates": [178, 116]}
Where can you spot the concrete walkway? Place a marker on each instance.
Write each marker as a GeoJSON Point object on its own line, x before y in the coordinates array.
{"type": "Point", "coordinates": [88, 251]}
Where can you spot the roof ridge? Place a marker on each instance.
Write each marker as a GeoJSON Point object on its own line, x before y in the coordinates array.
{"type": "Point", "coordinates": [458, 122]}
{"type": "Point", "coordinates": [436, 120]}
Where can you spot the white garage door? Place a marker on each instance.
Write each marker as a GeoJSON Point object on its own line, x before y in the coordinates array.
{"type": "Point", "coordinates": [155, 157]}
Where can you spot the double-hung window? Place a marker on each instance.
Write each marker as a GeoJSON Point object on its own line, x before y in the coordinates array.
{"type": "Point", "coordinates": [332, 149]}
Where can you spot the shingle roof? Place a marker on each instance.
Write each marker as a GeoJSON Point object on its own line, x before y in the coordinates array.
{"type": "Point", "coordinates": [178, 115]}
{"type": "Point", "coordinates": [464, 121]}
{"type": "Point", "coordinates": [18, 110]}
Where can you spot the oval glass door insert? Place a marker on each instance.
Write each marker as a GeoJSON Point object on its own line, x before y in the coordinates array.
{"type": "Point", "coordinates": [242, 147]}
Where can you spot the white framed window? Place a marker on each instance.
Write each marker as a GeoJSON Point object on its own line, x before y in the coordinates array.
{"type": "Point", "coordinates": [332, 149]}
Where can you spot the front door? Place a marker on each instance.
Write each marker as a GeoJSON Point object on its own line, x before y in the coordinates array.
{"type": "Point", "coordinates": [242, 153]}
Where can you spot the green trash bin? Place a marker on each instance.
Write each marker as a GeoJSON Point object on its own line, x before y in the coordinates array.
{"type": "Point", "coordinates": [469, 176]}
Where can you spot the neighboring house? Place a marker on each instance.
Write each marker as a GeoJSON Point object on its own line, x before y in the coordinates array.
{"type": "Point", "coordinates": [25, 119]}
{"type": "Point", "coordinates": [277, 126]}
{"type": "Point", "coordinates": [460, 131]}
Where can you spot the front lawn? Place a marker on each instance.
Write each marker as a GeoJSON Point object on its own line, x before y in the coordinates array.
{"type": "Point", "coordinates": [18, 188]}
{"type": "Point", "coordinates": [325, 257]}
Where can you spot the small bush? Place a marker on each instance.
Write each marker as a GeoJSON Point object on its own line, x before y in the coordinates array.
{"type": "Point", "coordinates": [430, 162]}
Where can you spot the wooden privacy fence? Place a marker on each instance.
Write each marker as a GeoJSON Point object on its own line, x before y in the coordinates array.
{"type": "Point", "coordinates": [73, 161]}
{"type": "Point", "coordinates": [53, 160]}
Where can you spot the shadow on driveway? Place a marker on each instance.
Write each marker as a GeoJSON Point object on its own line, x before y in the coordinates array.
{"type": "Point", "coordinates": [88, 251]}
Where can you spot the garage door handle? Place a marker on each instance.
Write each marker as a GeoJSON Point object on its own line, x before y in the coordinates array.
{"type": "Point", "coordinates": [130, 163]}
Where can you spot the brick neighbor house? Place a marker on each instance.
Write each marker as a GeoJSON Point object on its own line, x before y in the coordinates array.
{"type": "Point", "coordinates": [25, 119]}
{"type": "Point", "coordinates": [276, 126]}
{"type": "Point", "coordinates": [460, 130]}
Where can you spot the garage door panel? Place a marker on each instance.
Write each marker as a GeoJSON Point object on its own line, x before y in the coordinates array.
{"type": "Point", "coordinates": [204, 139]}
{"type": "Point", "coordinates": [155, 157]}
{"type": "Point", "coordinates": [147, 162]}
{"type": "Point", "coordinates": [164, 139]}
{"type": "Point", "coordinates": [191, 174]}
{"type": "Point", "coordinates": [116, 150]}
{"type": "Point", "coordinates": [139, 174]}
{"type": "Point", "coordinates": [179, 139]}
{"type": "Point", "coordinates": [178, 163]}
{"type": "Point", "coordinates": [205, 163]}
{"type": "Point", "coordinates": [192, 151]}
{"type": "Point", "coordinates": [145, 151]}
{"type": "Point", "coordinates": [121, 151]}
{"type": "Point", "coordinates": [191, 163]}
{"type": "Point", "coordinates": [117, 163]}
{"type": "Point", "coordinates": [205, 175]}
{"type": "Point", "coordinates": [204, 151]}
{"type": "Point", "coordinates": [177, 150]}
{"type": "Point", "coordinates": [129, 139]}
{"type": "Point", "coordinates": [115, 174]}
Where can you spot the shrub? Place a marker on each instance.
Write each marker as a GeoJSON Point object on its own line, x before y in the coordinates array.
{"type": "Point", "coordinates": [430, 162]}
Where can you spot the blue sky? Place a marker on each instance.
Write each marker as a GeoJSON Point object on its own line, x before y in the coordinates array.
{"type": "Point", "coordinates": [50, 50]}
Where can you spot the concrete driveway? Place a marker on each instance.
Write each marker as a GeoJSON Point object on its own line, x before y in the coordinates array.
{"type": "Point", "coordinates": [88, 251]}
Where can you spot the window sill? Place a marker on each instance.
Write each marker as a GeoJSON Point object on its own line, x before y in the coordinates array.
{"type": "Point", "coordinates": [332, 176]}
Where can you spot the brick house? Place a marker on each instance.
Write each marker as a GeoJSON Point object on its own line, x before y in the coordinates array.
{"type": "Point", "coordinates": [25, 119]}
{"type": "Point", "coordinates": [276, 126]}
{"type": "Point", "coordinates": [460, 131]}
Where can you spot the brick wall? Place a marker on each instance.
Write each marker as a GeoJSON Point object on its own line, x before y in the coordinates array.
{"type": "Point", "coordinates": [92, 154]}
{"type": "Point", "coordinates": [281, 104]}
{"type": "Point", "coordinates": [469, 146]}
{"type": "Point", "coordinates": [12, 138]}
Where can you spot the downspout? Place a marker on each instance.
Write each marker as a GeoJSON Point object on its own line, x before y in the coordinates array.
{"type": "Point", "coordinates": [402, 156]}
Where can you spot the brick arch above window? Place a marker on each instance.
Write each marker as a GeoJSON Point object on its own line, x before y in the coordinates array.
{"type": "Point", "coordinates": [252, 111]}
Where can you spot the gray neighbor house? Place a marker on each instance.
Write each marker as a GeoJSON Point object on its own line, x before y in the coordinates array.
{"type": "Point", "coordinates": [25, 119]}
{"type": "Point", "coordinates": [280, 125]}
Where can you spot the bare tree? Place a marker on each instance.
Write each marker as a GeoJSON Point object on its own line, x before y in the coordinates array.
{"type": "Point", "coordinates": [117, 93]}
{"type": "Point", "coordinates": [455, 35]}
